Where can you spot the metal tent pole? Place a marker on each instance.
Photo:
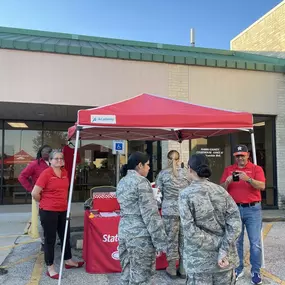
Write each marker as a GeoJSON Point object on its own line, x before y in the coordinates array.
{"type": "Point", "coordinates": [117, 167]}
{"type": "Point", "coordinates": [255, 162]}
{"type": "Point", "coordinates": [69, 204]}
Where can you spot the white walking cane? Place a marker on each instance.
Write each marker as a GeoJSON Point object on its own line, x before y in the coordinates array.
{"type": "Point", "coordinates": [261, 232]}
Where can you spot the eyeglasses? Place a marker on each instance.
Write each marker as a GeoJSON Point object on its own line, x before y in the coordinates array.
{"type": "Point", "coordinates": [58, 158]}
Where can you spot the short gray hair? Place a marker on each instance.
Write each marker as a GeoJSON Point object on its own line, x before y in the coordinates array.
{"type": "Point", "coordinates": [54, 152]}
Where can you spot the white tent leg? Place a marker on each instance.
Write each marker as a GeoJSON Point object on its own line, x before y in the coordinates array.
{"type": "Point", "coordinates": [69, 205]}
{"type": "Point", "coordinates": [253, 148]}
{"type": "Point", "coordinates": [117, 168]}
{"type": "Point", "coordinates": [255, 162]}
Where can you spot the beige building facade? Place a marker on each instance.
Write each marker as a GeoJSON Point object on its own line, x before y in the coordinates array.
{"type": "Point", "coordinates": [266, 34]}
{"type": "Point", "coordinates": [46, 77]}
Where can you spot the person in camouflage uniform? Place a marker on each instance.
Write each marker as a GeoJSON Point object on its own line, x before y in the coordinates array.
{"type": "Point", "coordinates": [141, 231]}
{"type": "Point", "coordinates": [211, 224]}
{"type": "Point", "coordinates": [171, 181]}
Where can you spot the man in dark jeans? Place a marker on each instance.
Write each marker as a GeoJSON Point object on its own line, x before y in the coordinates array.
{"type": "Point", "coordinates": [244, 181]}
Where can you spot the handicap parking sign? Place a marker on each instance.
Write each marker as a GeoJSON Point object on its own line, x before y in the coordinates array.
{"type": "Point", "coordinates": [118, 146]}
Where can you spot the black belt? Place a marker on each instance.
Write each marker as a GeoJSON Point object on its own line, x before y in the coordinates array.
{"type": "Point", "coordinates": [244, 205]}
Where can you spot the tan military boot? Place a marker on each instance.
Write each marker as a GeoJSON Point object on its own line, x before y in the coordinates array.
{"type": "Point", "coordinates": [171, 269]}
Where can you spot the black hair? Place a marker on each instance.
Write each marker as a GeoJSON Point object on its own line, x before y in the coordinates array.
{"type": "Point", "coordinates": [134, 160]}
{"type": "Point", "coordinates": [200, 164]}
{"type": "Point", "coordinates": [39, 153]}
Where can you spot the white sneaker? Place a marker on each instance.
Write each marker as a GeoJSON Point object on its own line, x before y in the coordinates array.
{"type": "Point", "coordinates": [240, 275]}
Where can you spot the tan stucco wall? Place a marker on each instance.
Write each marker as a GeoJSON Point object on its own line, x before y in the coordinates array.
{"type": "Point", "coordinates": [74, 80]}
{"type": "Point", "coordinates": [266, 34]}
{"type": "Point", "coordinates": [250, 91]}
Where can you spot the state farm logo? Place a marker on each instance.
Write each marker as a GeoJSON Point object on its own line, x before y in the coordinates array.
{"type": "Point", "coordinates": [115, 254]}
{"type": "Point", "coordinates": [110, 238]}
{"type": "Point", "coordinates": [158, 254]}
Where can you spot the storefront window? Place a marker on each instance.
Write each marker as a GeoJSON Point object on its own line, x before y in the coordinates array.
{"type": "Point", "coordinates": [20, 148]}
{"type": "Point", "coordinates": [55, 134]}
{"type": "Point", "coordinates": [97, 166]}
{"type": "Point", "coordinates": [217, 149]}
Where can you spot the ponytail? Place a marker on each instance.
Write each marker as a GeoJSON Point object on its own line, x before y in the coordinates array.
{"type": "Point", "coordinates": [173, 157]}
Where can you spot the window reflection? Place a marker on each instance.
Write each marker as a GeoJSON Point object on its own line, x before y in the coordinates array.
{"type": "Point", "coordinates": [98, 164]}
{"type": "Point", "coordinates": [218, 150]}
{"type": "Point", "coordinates": [20, 148]}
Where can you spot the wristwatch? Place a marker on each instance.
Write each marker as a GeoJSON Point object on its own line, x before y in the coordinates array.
{"type": "Point", "coordinates": [249, 180]}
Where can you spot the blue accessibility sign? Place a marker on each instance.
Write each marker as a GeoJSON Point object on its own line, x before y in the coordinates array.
{"type": "Point", "coordinates": [118, 147]}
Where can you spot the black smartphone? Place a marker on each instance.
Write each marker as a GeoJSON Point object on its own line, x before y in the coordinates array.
{"type": "Point", "coordinates": [235, 176]}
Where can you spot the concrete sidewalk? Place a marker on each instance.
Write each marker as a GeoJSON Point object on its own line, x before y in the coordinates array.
{"type": "Point", "coordinates": [14, 218]}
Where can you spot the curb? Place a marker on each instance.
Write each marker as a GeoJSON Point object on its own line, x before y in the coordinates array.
{"type": "Point", "coordinates": [273, 219]}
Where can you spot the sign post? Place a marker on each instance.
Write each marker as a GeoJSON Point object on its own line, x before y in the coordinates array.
{"type": "Point", "coordinates": [118, 149]}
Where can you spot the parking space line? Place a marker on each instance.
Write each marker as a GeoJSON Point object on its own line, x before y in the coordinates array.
{"type": "Point", "coordinates": [19, 261]}
{"type": "Point", "coordinates": [11, 236]}
{"type": "Point", "coordinates": [37, 271]}
{"type": "Point", "coordinates": [266, 230]}
{"type": "Point", "coordinates": [17, 244]}
{"type": "Point", "coordinates": [272, 277]}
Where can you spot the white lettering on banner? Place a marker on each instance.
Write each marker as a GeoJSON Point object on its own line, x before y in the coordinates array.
{"type": "Point", "coordinates": [109, 238]}
{"type": "Point", "coordinates": [103, 119]}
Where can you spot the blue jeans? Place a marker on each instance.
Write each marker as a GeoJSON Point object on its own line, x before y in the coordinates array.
{"type": "Point", "coordinates": [252, 220]}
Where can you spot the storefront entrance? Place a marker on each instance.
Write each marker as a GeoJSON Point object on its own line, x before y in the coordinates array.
{"type": "Point", "coordinates": [19, 145]}
{"type": "Point", "coordinates": [219, 150]}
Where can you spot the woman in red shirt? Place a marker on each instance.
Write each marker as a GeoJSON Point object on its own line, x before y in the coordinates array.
{"type": "Point", "coordinates": [31, 173]}
{"type": "Point", "coordinates": [51, 190]}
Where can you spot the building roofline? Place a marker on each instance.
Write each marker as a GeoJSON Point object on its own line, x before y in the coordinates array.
{"type": "Point", "coordinates": [72, 44]}
{"type": "Point", "coordinates": [60, 35]}
{"type": "Point", "coordinates": [257, 21]}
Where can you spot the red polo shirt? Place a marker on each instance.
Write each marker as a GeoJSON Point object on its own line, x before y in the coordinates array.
{"type": "Point", "coordinates": [55, 190]}
{"type": "Point", "coordinates": [242, 191]}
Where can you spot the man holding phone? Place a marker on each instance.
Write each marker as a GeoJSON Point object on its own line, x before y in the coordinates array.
{"type": "Point", "coordinates": [244, 181]}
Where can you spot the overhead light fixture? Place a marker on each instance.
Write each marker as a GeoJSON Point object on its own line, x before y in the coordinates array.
{"type": "Point", "coordinates": [261, 124]}
{"type": "Point", "coordinates": [17, 125]}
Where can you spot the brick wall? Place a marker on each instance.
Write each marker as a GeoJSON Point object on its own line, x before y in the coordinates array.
{"type": "Point", "coordinates": [178, 88]}
{"type": "Point", "coordinates": [280, 141]}
{"type": "Point", "coordinates": [267, 34]}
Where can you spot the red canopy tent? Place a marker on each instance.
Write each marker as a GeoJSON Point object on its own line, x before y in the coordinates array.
{"type": "Point", "coordinates": [150, 117]}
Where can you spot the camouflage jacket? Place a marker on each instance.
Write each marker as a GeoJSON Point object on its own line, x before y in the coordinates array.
{"type": "Point", "coordinates": [211, 226]}
{"type": "Point", "coordinates": [139, 213]}
{"type": "Point", "coordinates": [170, 186]}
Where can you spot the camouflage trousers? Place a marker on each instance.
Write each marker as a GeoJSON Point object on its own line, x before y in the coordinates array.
{"type": "Point", "coordinates": [138, 259]}
{"type": "Point", "coordinates": [174, 237]}
{"type": "Point", "coordinates": [219, 278]}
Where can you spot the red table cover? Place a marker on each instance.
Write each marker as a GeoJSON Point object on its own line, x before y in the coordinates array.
{"type": "Point", "coordinates": [100, 245]}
